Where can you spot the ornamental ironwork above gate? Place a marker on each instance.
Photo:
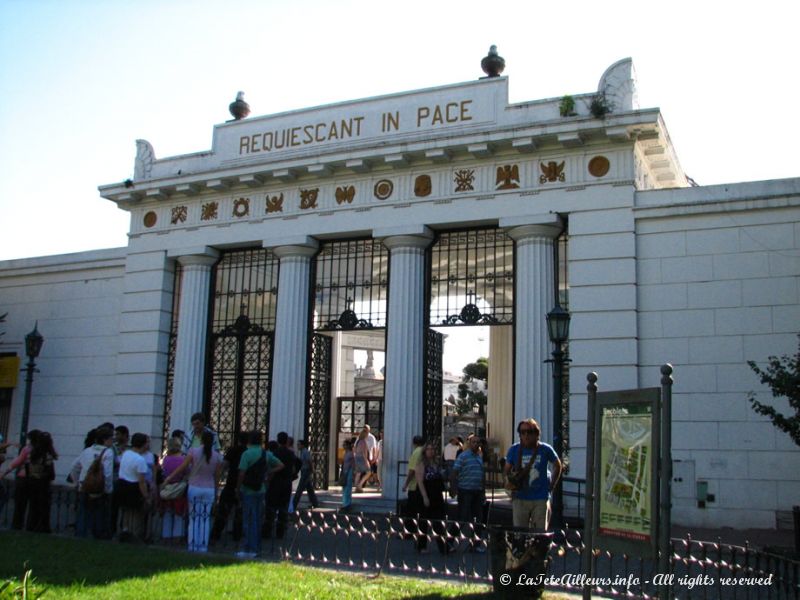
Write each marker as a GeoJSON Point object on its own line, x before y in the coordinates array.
{"type": "Point", "coordinates": [472, 278]}
{"type": "Point", "coordinates": [352, 285]}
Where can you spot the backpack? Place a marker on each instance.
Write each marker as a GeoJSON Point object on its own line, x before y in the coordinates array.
{"type": "Point", "coordinates": [255, 474]}
{"type": "Point", "coordinates": [41, 469]}
{"type": "Point", "coordinates": [95, 480]}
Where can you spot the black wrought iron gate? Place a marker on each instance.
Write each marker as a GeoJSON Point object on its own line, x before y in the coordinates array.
{"type": "Point", "coordinates": [318, 407]}
{"type": "Point", "coordinates": [432, 394]}
{"type": "Point", "coordinates": [240, 379]}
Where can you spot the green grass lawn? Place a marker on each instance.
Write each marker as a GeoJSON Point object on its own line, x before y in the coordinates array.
{"type": "Point", "coordinates": [74, 568]}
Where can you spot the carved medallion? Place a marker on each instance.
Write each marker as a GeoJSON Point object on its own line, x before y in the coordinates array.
{"type": "Point", "coordinates": [507, 177]}
{"type": "Point", "coordinates": [275, 204]}
{"type": "Point", "coordinates": [599, 166]}
{"type": "Point", "coordinates": [308, 198]}
{"type": "Point", "coordinates": [241, 207]}
{"type": "Point", "coordinates": [422, 186]}
{"type": "Point", "coordinates": [383, 189]}
{"type": "Point", "coordinates": [464, 178]}
{"type": "Point", "coordinates": [552, 171]}
{"type": "Point", "coordinates": [209, 211]}
{"type": "Point", "coordinates": [345, 194]}
{"type": "Point", "coordinates": [179, 214]}
{"type": "Point", "coordinates": [150, 219]}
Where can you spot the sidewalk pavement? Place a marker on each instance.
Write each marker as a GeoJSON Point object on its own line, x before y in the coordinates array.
{"type": "Point", "coordinates": [370, 501]}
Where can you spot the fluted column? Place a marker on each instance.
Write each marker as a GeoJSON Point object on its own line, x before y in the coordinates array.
{"type": "Point", "coordinates": [533, 299]}
{"type": "Point", "coordinates": [190, 350]}
{"type": "Point", "coordinates": [290, 357]}
{"type": "Point", "coordinates": [405, 349]}
{"type": "Point", "coordinates": [500, 417]}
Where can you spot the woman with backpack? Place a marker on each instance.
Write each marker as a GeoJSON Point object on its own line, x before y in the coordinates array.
{"type": "Point", "coordinates": [95, 476]}
{"type": "Point", "coordinates": [206, 466]}
{"type": "Point", "coordinates": [35, 471]}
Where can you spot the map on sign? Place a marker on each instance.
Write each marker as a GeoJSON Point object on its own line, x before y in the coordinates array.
{"type": "Point", "coordinates": [625, 472]}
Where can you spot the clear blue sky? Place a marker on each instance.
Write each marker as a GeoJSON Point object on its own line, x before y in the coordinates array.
{"type": "Point", "coordinates": [81, 80]}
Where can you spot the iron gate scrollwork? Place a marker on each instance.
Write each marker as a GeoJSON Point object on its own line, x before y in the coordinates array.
{"type": "Point", "coordinates": [432, 394]}
{"type": "Point", "coordinates": [472, 278]}
{"type": "Point", "coordinates": [318, 407]}
{"type": "Point", "coordinates": [242, 321]}
{"type": "Point", "coordinates": [239, 396]}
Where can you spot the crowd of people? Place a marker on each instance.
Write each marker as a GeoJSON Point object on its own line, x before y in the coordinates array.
{"type": "Point", "coordinates": [120, 483]}
{"type": "Point", "coordinates": [531, 467]}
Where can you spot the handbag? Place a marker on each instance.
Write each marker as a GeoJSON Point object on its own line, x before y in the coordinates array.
{"type": "Point", "coordinates": [174, 490]}
{"type": "Point", "coordinates": [517, 478]}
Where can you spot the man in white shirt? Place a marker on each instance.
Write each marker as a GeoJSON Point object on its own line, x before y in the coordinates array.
{"type": "Point", "coordinates": [372, 446]}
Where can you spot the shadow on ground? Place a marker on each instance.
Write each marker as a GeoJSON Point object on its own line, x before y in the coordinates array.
{"type": "Point", "coordinates": [63, 561]}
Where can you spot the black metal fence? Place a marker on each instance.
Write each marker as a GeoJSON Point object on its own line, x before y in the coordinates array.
{"type": "Point", "coordinates": [455, 550]}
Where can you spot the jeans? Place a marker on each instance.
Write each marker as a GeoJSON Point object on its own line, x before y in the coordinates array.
{"type": "Point", "coordinates": [96, 515]}
{"type": "Point", "coordinates": [470, 505]}
{"type": "Point", "coordinates": [305, 484]}
{"type": "Point", "coordinates": [470, 509]}
{"type": "Point", "coordinates": [252, 519]}
{"type": "Point", "coordinates": [200, 502]}
{"type": "Point", "coordinates": [347, 490]}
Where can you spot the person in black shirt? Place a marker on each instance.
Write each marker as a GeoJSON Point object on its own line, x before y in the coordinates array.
{"type": "Point", "coordinates": [228, 500]}
{"type": "Point", "coordinates": [279, 489]}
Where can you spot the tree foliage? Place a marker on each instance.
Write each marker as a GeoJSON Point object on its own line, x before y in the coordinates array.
{"type": "Point", "coordinates": [782, 375]}
{"type": "Point", "coordinates": [476, 371]}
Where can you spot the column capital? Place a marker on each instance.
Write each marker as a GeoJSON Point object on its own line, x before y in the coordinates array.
{"type": "Point", "coordinates": [540, 226]}
{"type": "Point", "coordinates": [197, 255]}
{"type": "Point", "coordinates": [418, 236]}
{"type": "Point", "coordinates": [290, 247]}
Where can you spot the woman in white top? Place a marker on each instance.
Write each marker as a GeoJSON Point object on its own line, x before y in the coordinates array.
{"type": "Point", "coordinates": [131, 493]}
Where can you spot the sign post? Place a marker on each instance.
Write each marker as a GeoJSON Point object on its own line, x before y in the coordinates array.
{"type": "Point", "coordinates": [628, 473]}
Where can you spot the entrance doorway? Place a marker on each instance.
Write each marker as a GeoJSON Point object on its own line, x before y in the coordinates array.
{"type": "Point", "coordinates": [471, 288]}
{"type": "Point", "coordinates": [350, 303]}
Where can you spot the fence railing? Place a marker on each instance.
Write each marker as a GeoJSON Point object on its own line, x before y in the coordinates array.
{"type": "Point", "coordinates": [457, 550]}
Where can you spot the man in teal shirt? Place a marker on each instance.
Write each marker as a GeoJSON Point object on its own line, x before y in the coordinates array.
{"type": "Point", "coordinates": [253, 497]}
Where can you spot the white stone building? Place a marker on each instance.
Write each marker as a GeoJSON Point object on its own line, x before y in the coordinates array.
{"type": "Point", "coordinates": [250, 264]}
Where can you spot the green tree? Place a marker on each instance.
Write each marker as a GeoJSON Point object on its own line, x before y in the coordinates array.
{"type": "Point", "coordinates": [475, 371]}
{"type": "Point", "coordinates": [782, 375]}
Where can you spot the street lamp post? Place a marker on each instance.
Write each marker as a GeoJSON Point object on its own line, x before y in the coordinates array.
{"type": "Point", "coordinates": [33, 345]}
{"type": "Point", "coordinates": [558, 331]}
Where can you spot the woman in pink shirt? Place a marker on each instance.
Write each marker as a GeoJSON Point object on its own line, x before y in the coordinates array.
{"type": "Point", "coordinates": [206, 465]}
{"type": "Point", "coordinates": [21, 492]}
{"type": "Point", "coordinates": [173, 512]}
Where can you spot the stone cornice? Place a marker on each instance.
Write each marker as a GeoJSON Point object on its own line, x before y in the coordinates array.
{"type": "Point", "coordinates": [545, 138]}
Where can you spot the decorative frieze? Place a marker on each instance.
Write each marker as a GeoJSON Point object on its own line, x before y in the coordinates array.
{"type": "Point", "coordinates": [439, 185]}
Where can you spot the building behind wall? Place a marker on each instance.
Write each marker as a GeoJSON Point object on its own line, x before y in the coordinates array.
{"type": "Point", "coordinates": [705, 278]}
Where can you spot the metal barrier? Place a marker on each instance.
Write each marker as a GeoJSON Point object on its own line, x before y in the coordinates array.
{"type": "Point", "coordinates": [450, 549]}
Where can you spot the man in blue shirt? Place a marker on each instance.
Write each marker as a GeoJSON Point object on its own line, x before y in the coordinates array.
{"type": "Point", "coordinates": [531, 503]}
{"type": "Point", "coordinates": [468, 477]}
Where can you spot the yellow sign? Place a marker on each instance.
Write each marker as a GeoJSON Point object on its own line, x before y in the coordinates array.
{"type": "Point", "coordinates": [9, 369]}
